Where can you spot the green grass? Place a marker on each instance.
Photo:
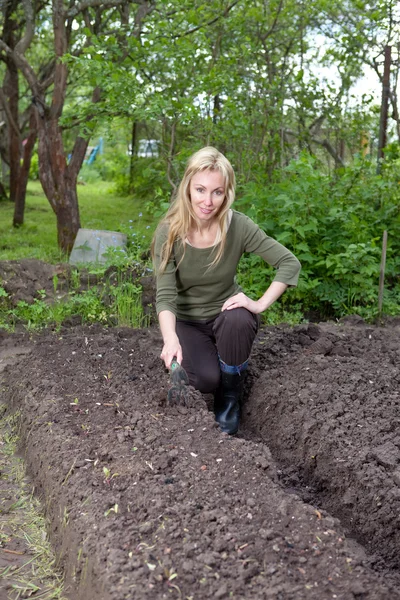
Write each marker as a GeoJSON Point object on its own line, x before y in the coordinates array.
{"type": "Point", "coordinates": [100, 208]}
{"type": "Point", "coordinates": [35, 574]}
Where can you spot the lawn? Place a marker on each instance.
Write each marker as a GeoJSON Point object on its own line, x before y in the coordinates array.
{"type": "Point", "coordinates": [100, 208]}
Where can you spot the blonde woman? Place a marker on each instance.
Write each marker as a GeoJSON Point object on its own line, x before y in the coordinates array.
{"type": "Point", "coordinates": [206, 321]}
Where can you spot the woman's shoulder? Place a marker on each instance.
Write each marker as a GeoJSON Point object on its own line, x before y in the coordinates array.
{"type": "Point", "coordinates": [242, 220]}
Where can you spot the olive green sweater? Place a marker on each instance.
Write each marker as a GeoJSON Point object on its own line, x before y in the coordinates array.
{"type": "Point", "coordinates": [196, 291]}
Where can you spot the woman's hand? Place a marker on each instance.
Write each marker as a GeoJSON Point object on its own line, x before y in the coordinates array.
{"type": "Point", "coordinates": [170, 349]}
{"type": "Point", "coordinates": [171, 346]}
{"type": "Point", "coordinates": [242, 301]}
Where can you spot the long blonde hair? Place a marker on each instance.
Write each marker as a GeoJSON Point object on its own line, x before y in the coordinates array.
{"type": "Point", "coordinates": [180, 215]}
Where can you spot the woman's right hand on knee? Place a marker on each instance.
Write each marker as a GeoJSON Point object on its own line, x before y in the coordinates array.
{"type": "Point", "coordinates": [171, 349]}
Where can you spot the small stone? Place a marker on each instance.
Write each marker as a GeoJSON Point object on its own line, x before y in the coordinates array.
{"type": "Point", "coordinates": [321, 346]}
{"type": "Point", "coordinates": [263, 463]}
{"type": "Point", "coordinates": [266, 534]}
{"type": "Point", "coordinates": [387, 455]}
{"type": "Point", "coordinates": [120, 437]}
{"type": "Point", "coordinates": [357, 588]}
{"type": "Point", "coordinates": [207, 558]}
{"type": "Point", "coordinates": [188, 566]}
{"type": "Point", "coordinates": [222, 591]}
{"type": "Point", "coordinates": [313, 331]}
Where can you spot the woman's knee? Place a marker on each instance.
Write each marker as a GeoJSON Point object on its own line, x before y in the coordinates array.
{"type": "Point", "coordinates": [206, 381]}
{"type": "Point", "coordinates": [238, 319]}
{"type": "Point", "coordinates": [235, 335]}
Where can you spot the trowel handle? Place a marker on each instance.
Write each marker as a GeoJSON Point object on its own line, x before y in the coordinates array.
{"type": "Point", "coordinates": [174, 364]}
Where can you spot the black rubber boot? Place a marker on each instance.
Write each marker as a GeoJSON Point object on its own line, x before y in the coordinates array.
{"type": "Point", "coordinates": [227, 402]}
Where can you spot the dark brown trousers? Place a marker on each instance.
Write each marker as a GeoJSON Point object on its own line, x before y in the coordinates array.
{"type": "Point", "coordinates": [228, 337]}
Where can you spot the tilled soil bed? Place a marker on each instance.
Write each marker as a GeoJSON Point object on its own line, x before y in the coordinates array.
{"type": "Point", "coordinates": [150, 501]}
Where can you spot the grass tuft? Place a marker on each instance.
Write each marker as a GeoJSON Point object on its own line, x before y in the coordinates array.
{"type": "Point", "coordinates": [23, 528]}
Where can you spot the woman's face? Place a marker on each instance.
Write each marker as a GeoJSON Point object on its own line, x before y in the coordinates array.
{"type": "Point", "coordinates": [207, 194]}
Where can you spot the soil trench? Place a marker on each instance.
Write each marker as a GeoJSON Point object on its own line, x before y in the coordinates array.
{"type": "Point", "coordinates": [329, 410]}
{"type": "Point", "coordinates": [151, 501]}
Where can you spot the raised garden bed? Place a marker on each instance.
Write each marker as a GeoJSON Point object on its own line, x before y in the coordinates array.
{"type": "Point", "coordinates": [151, 501]}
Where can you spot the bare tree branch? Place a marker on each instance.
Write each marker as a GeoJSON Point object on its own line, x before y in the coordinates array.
{"type": "Point", "coordinates": [170, 155]}
{"type": "Point", "coordinates": [274, 23]}
{"type": "Point", "coordinates": [82, 6]}
{"type": "Point", "coordinates": [325, 143]}
{"type": "Point", "coordinates": [27, 38]}
{"type": "Point", "coordinates": [207, 23]}
{"type": "Point", "coordinates": [81, 144]}
{"type": "Point", "coordinates": [23, 65]}
{"type": "Point", "coordinates": [6, 109]}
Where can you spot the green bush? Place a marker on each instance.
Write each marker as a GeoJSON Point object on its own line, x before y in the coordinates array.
{"type": "Point", "coordinates": [334, 226]}
{"type": "Point", "coordinates": [148, 176]}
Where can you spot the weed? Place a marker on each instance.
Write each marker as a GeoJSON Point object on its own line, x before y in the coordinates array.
{"type": "Point", "coordinates": [108, 476]}
{"type": "Point", "coordinates": [113, 509]}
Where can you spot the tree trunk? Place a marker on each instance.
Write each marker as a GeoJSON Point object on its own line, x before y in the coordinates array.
{"type": "Point", "coordinates": [68, 220]}
{"type": "Point", "coordinates": [133, 156]}
{"type": "Point", "coordinates": [216, 108]}
{"type": "Point", "coordinates": [12, 99]}
{"type": "Point", "coordinates": [57, 178]}
{"type": "Point", "coordinates": [3, 193]}
{"type": "Point", "coordinates": [19, 208]}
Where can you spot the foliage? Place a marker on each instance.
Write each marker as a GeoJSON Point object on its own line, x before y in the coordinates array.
{"type": "Point", "coordinates": [334, 226]}
{"type": "Point", "coordinates": [107, 303]}
{"type": "Point", "coordinates": [241, 77]}
{"type": "Point", "coordinates": [34, 167]}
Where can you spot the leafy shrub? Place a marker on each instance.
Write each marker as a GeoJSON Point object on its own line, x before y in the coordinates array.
{"type": "Point", "coordinates": [148, 177]}
{"type": "Point", "coordinates": [89, 174]}
{"type": "Point", "coordinates": [334, 226]}
{"type": "Point", "coordinates": [115, 300]}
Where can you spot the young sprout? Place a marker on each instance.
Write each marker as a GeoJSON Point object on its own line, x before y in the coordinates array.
{"type": "Point", "coordinates": [108, 476]}
{"type": "Point", "coordinates": [112, 509]}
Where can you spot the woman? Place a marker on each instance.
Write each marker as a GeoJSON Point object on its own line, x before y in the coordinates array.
{"type": "Point", "coordinates": [206, 321]}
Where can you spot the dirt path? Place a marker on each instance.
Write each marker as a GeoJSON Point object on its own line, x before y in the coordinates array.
{"type": "Point", "coordinates": [151, 501]}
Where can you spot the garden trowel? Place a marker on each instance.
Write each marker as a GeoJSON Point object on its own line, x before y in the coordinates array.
{"type": "Point", "coordinates": [178, 391]}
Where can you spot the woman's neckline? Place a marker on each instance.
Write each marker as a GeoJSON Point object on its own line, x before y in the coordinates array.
{"type": "Point", "coordinates": [217, 237]}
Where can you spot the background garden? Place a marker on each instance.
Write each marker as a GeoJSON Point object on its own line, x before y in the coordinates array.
{"type": "Point", "coordinates": [103, 102]}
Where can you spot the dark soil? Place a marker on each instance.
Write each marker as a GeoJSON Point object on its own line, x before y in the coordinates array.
{"type": "Point", "coordinates": [151, 501]}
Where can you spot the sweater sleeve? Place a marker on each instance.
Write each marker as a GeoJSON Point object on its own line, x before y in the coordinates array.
{"type": "Point", "coordinates": [166, 281]}
{"type": "Point", "coordinates": [275, 254]}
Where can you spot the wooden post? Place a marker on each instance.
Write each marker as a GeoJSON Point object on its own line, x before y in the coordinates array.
{"type": "Point", "coordinates": [384, 107]}
{"type": "Point", "coordinates": [382, 273]}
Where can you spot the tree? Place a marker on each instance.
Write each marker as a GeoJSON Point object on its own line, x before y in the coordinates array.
{"type": "Point", "coordinates": [19, 152]}
{"type": "Point", "coordinates": [58, 173]}
{"type": "Point", "coordinates": [239, 74]}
